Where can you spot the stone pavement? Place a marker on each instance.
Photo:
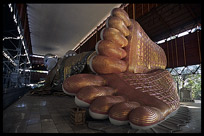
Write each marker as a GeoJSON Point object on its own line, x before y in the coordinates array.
{"type": "Point", "coordinates": [194, 126]}
{"type": "Point", "coordinates": [51, 114]}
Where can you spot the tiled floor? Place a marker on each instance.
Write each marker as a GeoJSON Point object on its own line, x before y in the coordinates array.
{"type": "Point", "coordinates": [41, 114]}
{"type": "Point", "coordinates": [51, 114]}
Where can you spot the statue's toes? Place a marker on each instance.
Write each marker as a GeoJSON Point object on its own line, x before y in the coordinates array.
{"type": "Point", "coordinates": [118, 114]}
{"type": "Point", "coordinates": [118, 12]}
{"type": "Point", "coordinates": [86, 95]}
{"type": "Point", "coordinates": [110, 49]}
{"type": "Point", "coordinates": [73, 84]}
{"type": "Point", "coordinates": [114, 35]}
{"type": "Point", "coordinates": [144, 117]}
{"type": "Point", "coordinates": [118, 23]}
{"type": "Point", "coordinates": [100, 106]}
{"type": "Point", "coordinates": [107, 65]}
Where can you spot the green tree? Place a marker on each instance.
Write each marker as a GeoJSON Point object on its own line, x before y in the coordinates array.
{"type": "Point", "coordinates": [193, 82]}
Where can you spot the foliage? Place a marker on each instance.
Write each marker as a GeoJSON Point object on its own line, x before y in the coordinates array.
{"type": "Point", "coordinates": [191, 81]}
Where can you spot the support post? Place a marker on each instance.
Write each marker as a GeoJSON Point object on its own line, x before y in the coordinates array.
{"type": "Point", "coordinates": [167, 53]}
{"type": "Point", "coordinates": [184, 51]}
{"type": "Point", "coordinates": [176, 52]}
{"type": "Point", "coordinates": [172, 50]}
{"type": "Point", "coordinates": [199, 52]}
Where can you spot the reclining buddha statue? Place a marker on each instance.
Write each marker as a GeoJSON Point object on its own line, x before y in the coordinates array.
{"type": "Point", "coordinates": [128, 83]}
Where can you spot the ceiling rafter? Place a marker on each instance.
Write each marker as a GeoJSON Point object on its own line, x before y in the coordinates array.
{"type": "Point", "coordinates": [193, 15]}
{"type": "Point", "coordinates": [164, 22]}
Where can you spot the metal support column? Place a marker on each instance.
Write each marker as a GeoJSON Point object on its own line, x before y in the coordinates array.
{"type": "Point", "coordinates": [16, 59]}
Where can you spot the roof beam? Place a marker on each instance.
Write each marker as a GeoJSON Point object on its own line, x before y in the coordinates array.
{"type": "Point", "coordinates": [177, 30]}
{"type": "Point", "coordinates": [193, 15]}
{"type": "Point", "coordinates": [163, 21]}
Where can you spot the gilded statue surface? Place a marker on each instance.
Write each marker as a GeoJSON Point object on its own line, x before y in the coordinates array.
{"type": "Point", "coordinates": [128, 83]}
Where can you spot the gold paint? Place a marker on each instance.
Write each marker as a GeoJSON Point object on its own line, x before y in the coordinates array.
{"type": "Point", "coordinates": [149, 67]}
{"type": "Point", "coordinates": [67, 70]}
{"type": "Point", "coordinates": [138, 41]}
{"type": "Point", "coordinates": [138, 46]}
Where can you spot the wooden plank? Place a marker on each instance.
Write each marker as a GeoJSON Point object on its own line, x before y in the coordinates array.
{"type": "Point", "coordinates": [169, 55]}
{"type": "Point", "coordinates": [145, 9]}
{"type": "Point", "coordinates": [172, 53]}
{"type": "Point", "coordinates": [199, 43]}
{"type": "Point", "coordinates": [130, 11]}
{"type": "Point", "coordinates": [92, 43]}
{"type": "Point", "coordinates": [164, 47]}
{"type": "Point", "coordinates": [133, 11]}
{"type": "Point", "coordinates": [180, 51]}
{"type": "Point", "coordinates": [138, 10]}
{"type": "Point", "coordinates": [176, 52]}
{"type": "Point", "coordinates": [192, 50]}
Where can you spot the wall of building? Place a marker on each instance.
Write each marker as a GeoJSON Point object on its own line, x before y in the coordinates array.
{"type": "Point", "coordinates": [183, 51]}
